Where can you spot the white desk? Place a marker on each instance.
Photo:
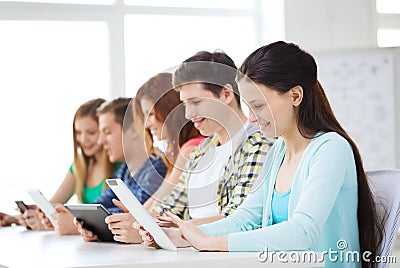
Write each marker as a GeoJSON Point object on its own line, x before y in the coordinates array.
{"type": "Point", "coordinates": [22, 248]}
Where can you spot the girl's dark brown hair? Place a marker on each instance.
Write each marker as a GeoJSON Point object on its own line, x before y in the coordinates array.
{"type": "Point", "coordinates": [282, 66]}
{"type": "Point", "coordinates": [167, 109]}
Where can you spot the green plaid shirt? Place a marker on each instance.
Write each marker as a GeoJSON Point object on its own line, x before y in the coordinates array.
{"type": "Point", "coordinates": [235, 181]}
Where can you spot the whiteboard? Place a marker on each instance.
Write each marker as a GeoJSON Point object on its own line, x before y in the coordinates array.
{"type": "Point", "coordinates": [361, 87]}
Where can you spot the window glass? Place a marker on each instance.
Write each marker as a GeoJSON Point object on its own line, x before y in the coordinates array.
{"type": "Point", "coordinates": [83, 2]}
{"type": "Point", "coordinates": [154, 43]}
{"type": "Point", "coordinates": [388, 6]}
{"type": "Point", "coordinates": [48, 70]}
{"type": "Point", "coordinates": [388, 37]}
{"type": "Point", "coordinates": [224, 4]}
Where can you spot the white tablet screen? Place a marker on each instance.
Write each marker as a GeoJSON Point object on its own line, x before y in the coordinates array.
{"type": "Point", "coordinates": [42, 203]}
{"type": "Point", "coordinates": [140, 213]}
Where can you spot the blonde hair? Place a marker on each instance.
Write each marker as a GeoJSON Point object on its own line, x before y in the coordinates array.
{"type": "Point", "coordinates": [81, 161]}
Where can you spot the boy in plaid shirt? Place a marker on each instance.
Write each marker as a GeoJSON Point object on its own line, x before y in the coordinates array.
{"type": "Point", "coordinates": [219, 173]}
{"type": "Point", "coordinates": [215, 182]}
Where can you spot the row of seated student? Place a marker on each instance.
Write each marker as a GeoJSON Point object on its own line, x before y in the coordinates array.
{"type": "Point", "coordinates": [288, 177]}
{"type": "Point", "coordinates": [104, 134]}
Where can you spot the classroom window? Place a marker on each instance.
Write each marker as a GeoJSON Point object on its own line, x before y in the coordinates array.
{"type": "Point", "coordinates": [388, 6]}
{"type": "Point", "coordinates": [80, 2]}
{"type": "Point", "coordinates": [225, 4]}
{"type": "Point", "coordinates": [163, 42]}
{"type": "Point", "coordinates": [48, 69]}
{"type": "Point", "coordinates": [388, 37]}
{"type": "Point", "coordinates": [388, 23]}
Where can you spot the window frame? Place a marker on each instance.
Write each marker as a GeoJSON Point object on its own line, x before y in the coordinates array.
{"type": "Point", "coordinates": [113, 15]}
{"type": "Point", "coordinates": [385, 21]}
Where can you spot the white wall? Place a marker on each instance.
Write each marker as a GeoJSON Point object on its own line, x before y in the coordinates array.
{"type": "Point", "coordinates": [339, 25]}
{"type": "Point", "coordinates": [331, 24]}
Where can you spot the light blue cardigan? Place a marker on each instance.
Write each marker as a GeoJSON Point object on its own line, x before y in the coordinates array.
{"type": "Point", "coordinates": [322, 206]}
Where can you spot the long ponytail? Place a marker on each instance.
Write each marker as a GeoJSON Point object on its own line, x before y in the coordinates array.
{"type": "Point", "coordinates": [282, 66]}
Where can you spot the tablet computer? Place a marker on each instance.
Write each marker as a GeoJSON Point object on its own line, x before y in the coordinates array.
{"type": "Point", "coordinates": [42, 202]}
{"type": "Point", "coordinates": [93, 216]}
{"type": "Point", "coordinates": [140, 213]}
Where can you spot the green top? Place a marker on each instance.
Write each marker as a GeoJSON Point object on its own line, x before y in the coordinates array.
{"type": "Point", "coordinates": [92, 193]}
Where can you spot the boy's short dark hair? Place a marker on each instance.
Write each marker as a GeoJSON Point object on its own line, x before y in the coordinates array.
{"type": "Point", "coordinates": [212, 70]}
{"type": "Point", "coordinates": [121, 108]}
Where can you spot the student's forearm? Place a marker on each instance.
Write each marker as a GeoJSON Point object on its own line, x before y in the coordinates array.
{"type": "Point", "coordinates": [214, 243]}
{"type": "Point", "coordinates": [150, 203]}
{"type": "Point", "coordinates": [220, 243]}
{"type": "Point", "coordinates": [206, 220]}
{"type": "Point", "coordinates": [65, 191]}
